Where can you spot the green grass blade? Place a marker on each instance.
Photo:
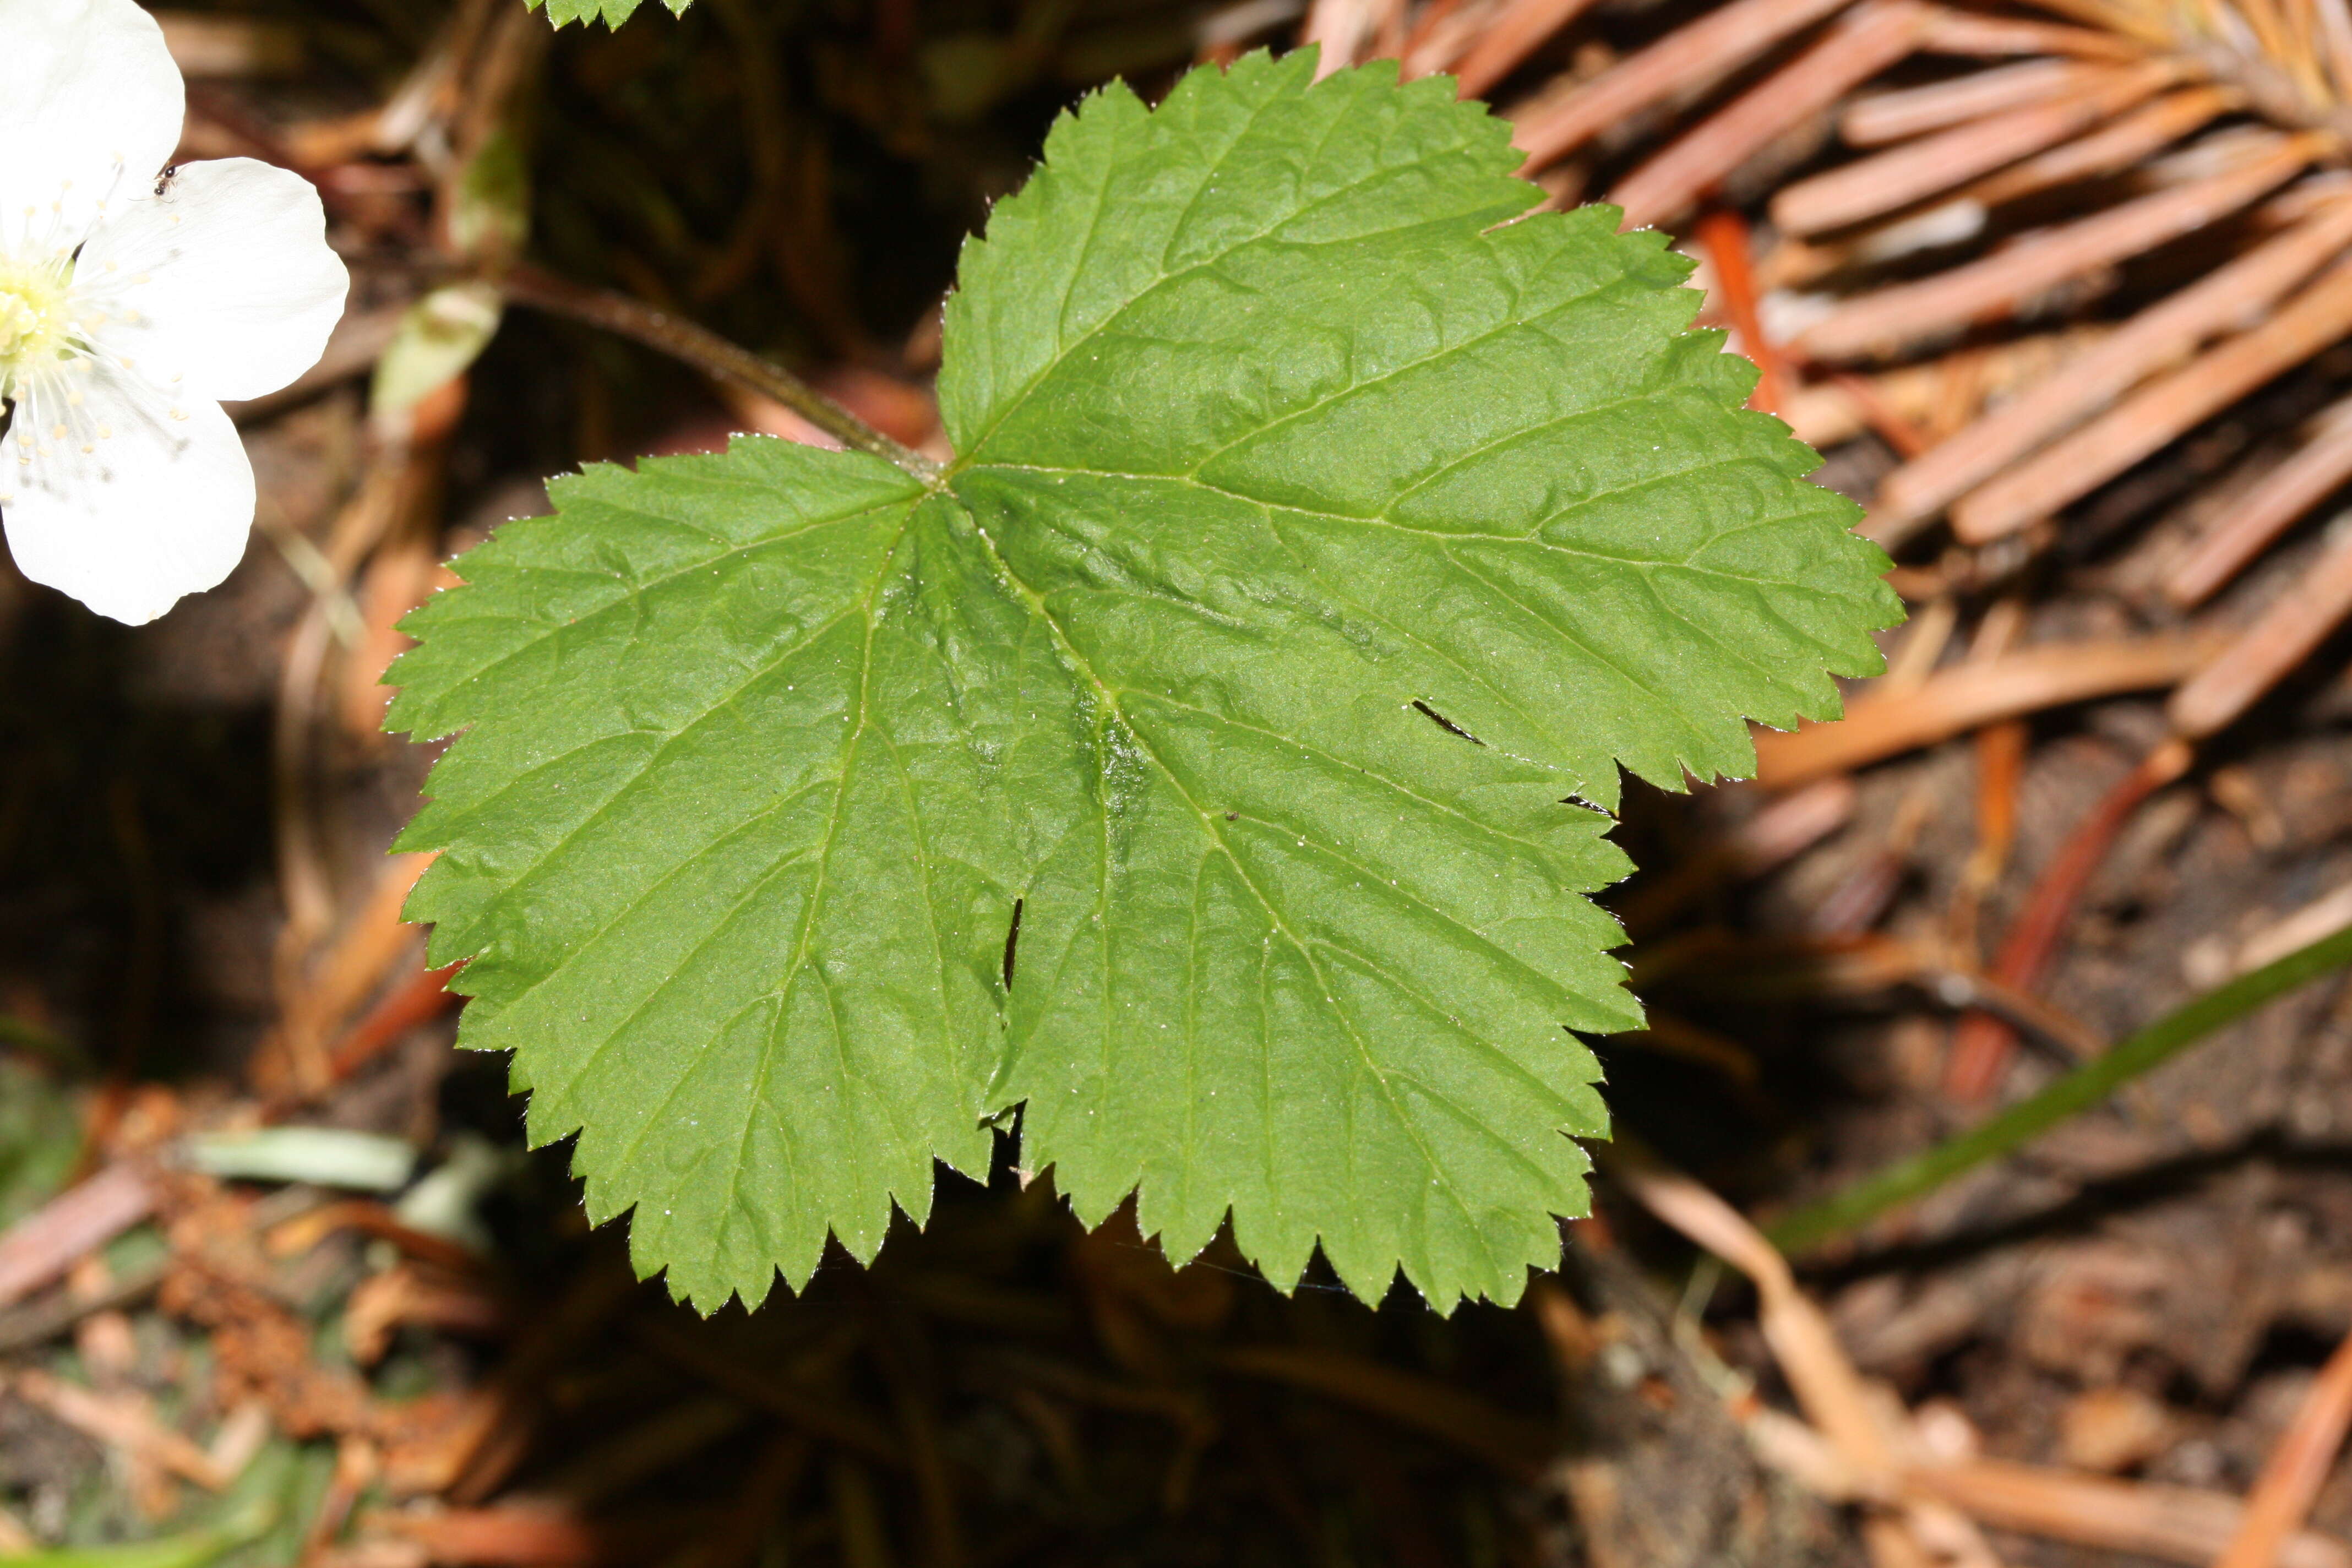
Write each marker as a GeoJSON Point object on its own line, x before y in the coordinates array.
{"type": "Point", "coordinates": [2079, 1090]}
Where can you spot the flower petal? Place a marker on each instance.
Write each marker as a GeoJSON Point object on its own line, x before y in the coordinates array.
{"type": "Point", "coordinates": [133, 505]}
{"type": "Point", "coordinates": [225, 279]}
{"type": "Point", "coordinates": [90, 106]}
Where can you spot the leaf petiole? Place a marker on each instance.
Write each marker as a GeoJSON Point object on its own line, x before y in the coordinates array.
{"type": "Point", "coordinates": [712, 354]}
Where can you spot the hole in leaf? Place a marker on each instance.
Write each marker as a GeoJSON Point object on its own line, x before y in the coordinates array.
{"type": "Point", "coordinates": [1442, 722]}
{"type": "Point", "coordinates": [1012, 941]}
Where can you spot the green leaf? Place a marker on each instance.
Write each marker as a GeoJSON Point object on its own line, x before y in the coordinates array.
{"type": "Point", "coordinates": [728, 841]}
{"type": "Point", "coordinates": [611, 13]}
{"type": "Point", "coordinates": [1325, 532]}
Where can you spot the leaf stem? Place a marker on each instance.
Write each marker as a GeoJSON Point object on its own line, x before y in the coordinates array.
{"type": "Point", "coordinates": [711, 354]}
{"type": "Point", "coordinates": [2079, 1090]}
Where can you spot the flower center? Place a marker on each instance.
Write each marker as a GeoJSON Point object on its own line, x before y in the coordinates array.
{"type": "Point", "coordinates": [33, 323]}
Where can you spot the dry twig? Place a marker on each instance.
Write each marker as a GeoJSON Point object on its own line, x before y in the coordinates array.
{"type": "Point", "coordinates": [39, 1248]}
{"type": "Point", "coordinates": [2296, 1470]}
{"type": "Point", "coordinates": [1961, 698]}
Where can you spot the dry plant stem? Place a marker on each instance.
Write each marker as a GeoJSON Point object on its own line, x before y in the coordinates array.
{"type": "Point", "coordinates": [1434, 16]}
{"type": "Point", "coordinates": [1337, 27]}
{"type": "Point", "coordinates": [1518, 30]}
{"type": "Point", "coordinates": [1447, 30]}
{"type": "Point", "coordinates": [1924, 642]}
{"type": "Point", "coordinates": [1892, 427]}
{"type": "Point", "coordinates": [1828, 1388]}
{"type": "Point", "coordinates": [2151, 419]}
{"type": "Point", "coordinates": [1875, 186]}
{"type": "Point", "coordinates": [303, 882]}
{"type": "Point", "coordinates": [1887, 1544]}
{"type": "Point", "coordinates": [1858, 967]}
{"type": "Point", "coordinates": [1904, 112]}
{"type": "Point", "coordinates": [1723, 38]}
{"type": "Point", "coordinates": [120, 1424]}
{"type": "Point", "coordinates": [1938, 396]}
{"type": "Point", "coordinates": [2311, 69]}
{"type": "Point", "coordinates": [1893, 318]}
{"type": "Point", "coordinates": [2001, 767]}
{"type": "Point", "coordinates": [530, 1532]}
{"type": "Point", "coordinates": [298, 1236]}
{"type": "Point", "coordinates": [42, 1246]}
{"type": "Point", "coordinates": [357, 1466]}
{"type": "Point", "coordinates": [400, 578]}
{"type": "Point", "coordinates": [513, 46]}
{"type": "Point", "coordinates": [2088, 1085]}
{"type": "Point", "coordinates": [2020, 1009]}
{"type": "Point", "coordinates": [1790, 826]}
{"type": "Point", "coordinates": [2269, 91]}
{"type": "Point", "coordinates": [1670, 1036]}
{"type": "Point", "coordinates": [1955, 700]}
{"type": "Point", "coordinates": [1982, 1044]}
{"type": "Point", "coordinates": [429, 93]}
{"type": "Point", "coordinates": [2270, 649]}
{"type": "Point", "coordinates": [2170, 1523]}
{"type": "Point", "coordinates": [1861, 44]}
{"type": "Point", "coordinates": [1974, 33]}
{"type": "Point", "coordinates": [373, 940]}
{"type": "Point", "coordinates": [713, 355]}
{"type": "Point", "coordinates": [2261, 18]}
{"type": "Point", "coordinates": [2283, 496]}
{"type": "Point", "coordinates": [2323, 916]}
{"type": "Point", "coordinates": [228, 48]}
{"type": "Point", "coordinates": [2336, 27]}
{"type": "Point", "coordinates": [28, 1326]}
{"type": "Point", "coordinates": [2297, 51]}
{"type": "Point", "coordinates": [423, 998]}
{"type": "Point", "coordinates": [2112, 149]}
{"type": "Point", "coordinates": [2233, 296]}
{"type": "Point", "coordinates": [1852, 966]}
{"type": "Point", "coordinates": [1724, 235]}
{"type": "Point", "coordinates": [2132, 21]}
{"type": "Point", "coordinates": [402, 482]}
{"type": "Point", "coordinates": [2296, 1468]}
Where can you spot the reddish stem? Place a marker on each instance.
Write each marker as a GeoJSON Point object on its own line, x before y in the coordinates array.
{"type": "Point", "coordinates": [424, 998]}
{"type": "Point", "coordinates": [1724, 232]}
{"type": "Point", "coordinates": [2298, 1468]}
{"type": "Point", "coordinates": [1981, 1044]}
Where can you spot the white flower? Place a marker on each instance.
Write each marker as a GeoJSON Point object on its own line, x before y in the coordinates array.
{"type": "Point", "coordinates": [131, 305]}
